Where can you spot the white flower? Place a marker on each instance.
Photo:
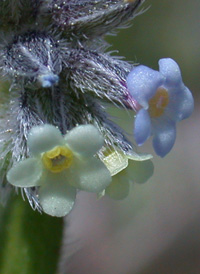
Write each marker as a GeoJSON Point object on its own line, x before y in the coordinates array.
{"type": "Point", "coordinates": [60, 165]}
{"type": "Point", "coordinates": [126, 169]}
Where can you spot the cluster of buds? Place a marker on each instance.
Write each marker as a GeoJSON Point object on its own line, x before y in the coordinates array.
{"type": "Point", "coordinates": [56, 137]}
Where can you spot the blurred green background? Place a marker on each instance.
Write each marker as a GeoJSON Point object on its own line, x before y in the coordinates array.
{"type": "Point", "coordinates": [166, 29]}
{"type": "Point", "coordinates": [156, 230]}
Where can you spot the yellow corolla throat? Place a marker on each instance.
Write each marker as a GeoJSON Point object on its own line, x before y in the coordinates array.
{"type": "Point", "coordinates": [158, 103]}
{"type": "Point", "coordinates": [57, 159]}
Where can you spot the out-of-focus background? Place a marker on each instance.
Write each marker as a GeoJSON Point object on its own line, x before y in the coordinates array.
{"type": "Point", "coordinates": [156, 230]}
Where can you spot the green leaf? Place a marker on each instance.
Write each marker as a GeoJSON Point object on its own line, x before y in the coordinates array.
{"type": "Point", "coordinates": [29, 241]}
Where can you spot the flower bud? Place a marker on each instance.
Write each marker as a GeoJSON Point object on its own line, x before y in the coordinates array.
{"type": "Point", "coordinates": [33, 57]}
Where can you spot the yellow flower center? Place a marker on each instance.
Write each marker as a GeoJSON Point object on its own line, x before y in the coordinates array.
{"type": "Point", "coordinates": [158, 103]}
{"type": "Point", "coordinates": [57, 159]}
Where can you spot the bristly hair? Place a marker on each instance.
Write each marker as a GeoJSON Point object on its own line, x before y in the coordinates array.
{"type": "Point", "coordinates": [54, 57]}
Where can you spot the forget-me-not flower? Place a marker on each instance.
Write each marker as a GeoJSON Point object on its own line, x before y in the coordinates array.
{"type": "Point", "coordinates": [126, 169]}
{"type": "Point", "coordinates": [60, 165]}
{"type": "Point", "coordinates": [164, 100]}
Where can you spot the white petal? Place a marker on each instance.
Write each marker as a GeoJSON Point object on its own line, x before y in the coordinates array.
{"type": "Point", "coordinates": [91, 175]}
{"type": "Point", "coordinates": [139, 157]}
{"type": "Point", "coordinates": [43, 138]}
{"type": "Point", "coordinates": [119, 187]}
{"type": "Point", "coordinates": [26, 173]}
{"type": "Point", "coordinates": [140, 171]}
{"type": "Point", "coordinates": [85, 140]}
{"type": "Point", "coordinates": [115, 162]}
{"type": "Point", "coordinates": [56, 196]}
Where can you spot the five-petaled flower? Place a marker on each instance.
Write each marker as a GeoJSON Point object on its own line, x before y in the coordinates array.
{"type": "Point", "coordinates": [126, 169]}
{"type": "Point", "coordinates": [164, 100]}
{"type": "Point", "coordinates": [60, 165]}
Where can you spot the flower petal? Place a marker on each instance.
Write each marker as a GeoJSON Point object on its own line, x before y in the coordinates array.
{"type": "Point", "coordinates": [48, 80]}
{"type": "Point", "coordinates": [164, 136]}
{"type": "Point", "coordinates": [181, 104]}
{"type": "Point", "coordinates": [115, 162]}
{"type": "Point", "coordinates": [142, 83]}
{"type": "Point", "coordinates": [26, 173]}
{"type": "Point", "coordinates": [140, 171]}
{"type": "Point", "coordinates": [170, 69]}
{"type": "Point", "coordinates": [139, 157]}
{"type": "Point", "coordinates": [56, 196]}
{"type": "Point", "coordinates": [91, 175]}
{"type": "Point", "coordinates": [86, 140]}
{"type": "Point", "coordinates": [142, 127]}
{"type": "Point", "coordinates": [119, 187]}
{"type": "Point", "coordinates": [43, 138]}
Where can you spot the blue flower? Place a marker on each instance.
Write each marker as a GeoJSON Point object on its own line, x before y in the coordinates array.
{"type": "Point", "coordinates": [164, 100]}
{"type": "Point", "coordinates": [60, 165]}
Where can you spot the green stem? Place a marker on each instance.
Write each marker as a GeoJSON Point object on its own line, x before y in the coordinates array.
{"type": "Point", "coordinates": [29, 241]}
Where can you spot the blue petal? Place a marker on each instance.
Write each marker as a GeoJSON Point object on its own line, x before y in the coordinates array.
{"type": "Point", "coordinates": [142, 128]}
{"type": "Point", "coordinates": [142, 83]}
{"type": "Point", "coordinates": [48, 80]}
{"type": "Point", "coordinates": [170, 69]}
{"type": "Point", "coordinates": [181, 104]}
{"type": "Point", "coordinates": [164, 136]}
